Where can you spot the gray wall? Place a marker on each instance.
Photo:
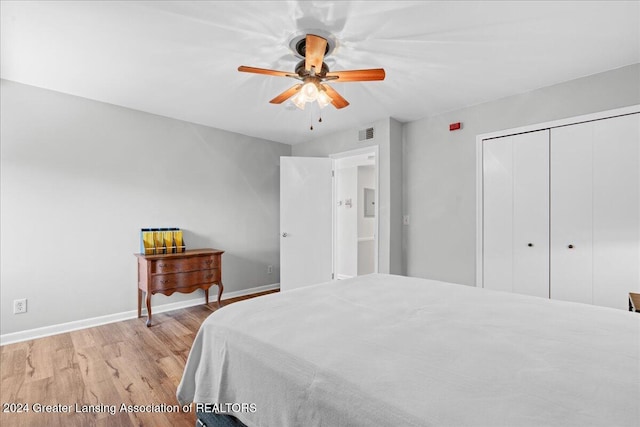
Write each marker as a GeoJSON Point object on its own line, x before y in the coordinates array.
{"type": "Point", "coordinates": [439, 166]}
{"type": "Point", "coordinates": [79, 179]}
{"type": "Point", "coordinates": [389, 142]}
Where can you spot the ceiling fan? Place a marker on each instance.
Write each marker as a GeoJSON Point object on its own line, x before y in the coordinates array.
{"type": "Point", "coordinates": [314, 73]}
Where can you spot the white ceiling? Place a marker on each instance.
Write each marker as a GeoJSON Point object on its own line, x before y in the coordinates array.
{"type": "Point", "coordinates": [180, 59]}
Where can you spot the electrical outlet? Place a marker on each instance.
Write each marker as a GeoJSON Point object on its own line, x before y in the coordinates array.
{"type": "Point", "coordinates": [19, 306]}
{"type": "Point", "coordinates": [269, 269]}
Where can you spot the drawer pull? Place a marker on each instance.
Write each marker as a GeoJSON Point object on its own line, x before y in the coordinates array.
{"type": "Point", "coordinates": [209, 261]}
{"type": "Point", "coordinates": [164, 281]}
{"type": "Point", "coordinates": [163, 265]}
{"type": "Point", "coordinates": [209, 276]}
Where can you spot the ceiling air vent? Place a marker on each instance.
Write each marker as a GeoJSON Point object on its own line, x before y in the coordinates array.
{"type": "Point", "coordinates": [365, 134]}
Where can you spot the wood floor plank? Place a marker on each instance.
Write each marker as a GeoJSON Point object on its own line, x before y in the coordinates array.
{"type": "Point", "coordinates": [103, 368]}
{"type": "Point", "coordinates": [98, 387]}
{"type": "Point", "coordinates": [13, 362]}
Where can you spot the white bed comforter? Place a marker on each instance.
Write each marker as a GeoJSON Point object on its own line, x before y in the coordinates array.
{"type": "Point", "coordinates": [383, 350]}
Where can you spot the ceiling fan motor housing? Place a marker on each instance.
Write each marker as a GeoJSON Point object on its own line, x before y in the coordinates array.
{"type": "Point", "coordinates": [302, 71]}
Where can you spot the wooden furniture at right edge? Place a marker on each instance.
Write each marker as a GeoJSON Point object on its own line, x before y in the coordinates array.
{"type": "Point", "coordinates": [634, 302]}
{"type": "Point", "coordinates": [181, 272]}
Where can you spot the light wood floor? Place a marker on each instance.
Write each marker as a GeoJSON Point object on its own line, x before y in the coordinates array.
{"type": "Point", "coordinates": [123, 362]}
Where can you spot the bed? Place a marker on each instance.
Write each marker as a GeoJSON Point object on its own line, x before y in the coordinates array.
{"type": "Point", "coordinates": [389, 350]}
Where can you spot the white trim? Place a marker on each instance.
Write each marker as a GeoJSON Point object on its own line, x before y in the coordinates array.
{"type": "Point", "coordinates": [479, 212]}
{"type": "Point", "coordinates": [357, 152]}
{"type": "Point", "coordinates": [343, 277]}
{"type": "Point", "coordinates": [75, 325]}
{"type": "Point", "coordinates": [634, 109]}
{"type": "Point", "coordinates": [562, 122]}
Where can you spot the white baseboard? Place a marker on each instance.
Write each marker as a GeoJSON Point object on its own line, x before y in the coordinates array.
{"type": "Point", "coordinates": [343, 276]}
{"type": "Point", "coordinates": [46, 331]}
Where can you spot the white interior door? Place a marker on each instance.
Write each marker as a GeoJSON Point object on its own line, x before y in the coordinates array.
{"type": "Point", "coordinates": [516, 213]}
{"type": "Point", "coordinates": [306, 221]}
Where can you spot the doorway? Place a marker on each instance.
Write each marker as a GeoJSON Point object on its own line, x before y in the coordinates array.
{"type": "Point", "coordinates": [356, 213]}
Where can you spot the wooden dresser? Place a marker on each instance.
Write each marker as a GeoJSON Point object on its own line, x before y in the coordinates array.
{"type": "Point", "coordinates": [184, 272]}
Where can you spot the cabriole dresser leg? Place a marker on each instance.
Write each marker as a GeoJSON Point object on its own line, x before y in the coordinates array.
{"type": "Point", "coordinates": [148, 299]}
{"type": "Point", "coordinates": [220, 287]}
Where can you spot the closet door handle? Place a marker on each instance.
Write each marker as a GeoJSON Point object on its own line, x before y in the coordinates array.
{"type": "Point", "coordinates": [570, 246]}
{"type": "Point", "coordinates": [530, 245]}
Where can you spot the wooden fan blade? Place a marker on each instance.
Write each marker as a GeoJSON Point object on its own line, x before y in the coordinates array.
{"type": "Point", "coordinates": [266, 71]}
{"type": "Point", "coordinates": [286, 94]}
{"type": "Point", "coordinates": [358, 75]}
{"type": "Point", "coordinates": [336, 99]}
{"type": "Point", "coordinates": [315, 47]}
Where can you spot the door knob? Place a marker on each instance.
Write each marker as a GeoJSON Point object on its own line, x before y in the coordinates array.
{"type": "Point", "coordinates": [284, 234]}
{"type": "Point", "coordinates": [570, 246]}
{"type": "Point", "coordinates": [530, 245]}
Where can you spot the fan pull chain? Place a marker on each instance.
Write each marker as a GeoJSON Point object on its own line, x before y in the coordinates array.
{"type": "Point", "coordinates": [311, 119]}
{"type": "Point", "coordinates": [311, 113]}
{"type": "Point", "coordinates": [319, 109]}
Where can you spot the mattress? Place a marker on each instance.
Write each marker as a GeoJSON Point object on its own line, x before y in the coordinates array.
{"type": "Point", "coordinates": [396, 351]}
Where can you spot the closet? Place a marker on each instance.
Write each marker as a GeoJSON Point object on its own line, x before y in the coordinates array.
{"type": "Point", "coordinates": [561, 211]}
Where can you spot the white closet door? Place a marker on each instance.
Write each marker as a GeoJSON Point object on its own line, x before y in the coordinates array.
{"type": "Point", "coordinates": [595, 208]}
{"type": "Point", "coordinates": [572, 213]}
{"type": "Point", "coordinates": [531, 214]}
{"type": "Point", "coordinates": [616, 210]}
{"type": "Point", "coordinates": [515, 213]}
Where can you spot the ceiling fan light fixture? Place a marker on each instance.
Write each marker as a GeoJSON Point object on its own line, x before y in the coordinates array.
{"type": "Point", "coordinates": [309, 91]}
{"type": "Point", "coordinates": [299, 100]}
{"type": "Point", "coordinates": [323, 99]}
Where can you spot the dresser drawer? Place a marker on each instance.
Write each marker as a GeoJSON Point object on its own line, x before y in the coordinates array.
{"type": "Point", "coordinates": [161, 282]}
{"type": "Point", "coordinates": [169, 265]}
